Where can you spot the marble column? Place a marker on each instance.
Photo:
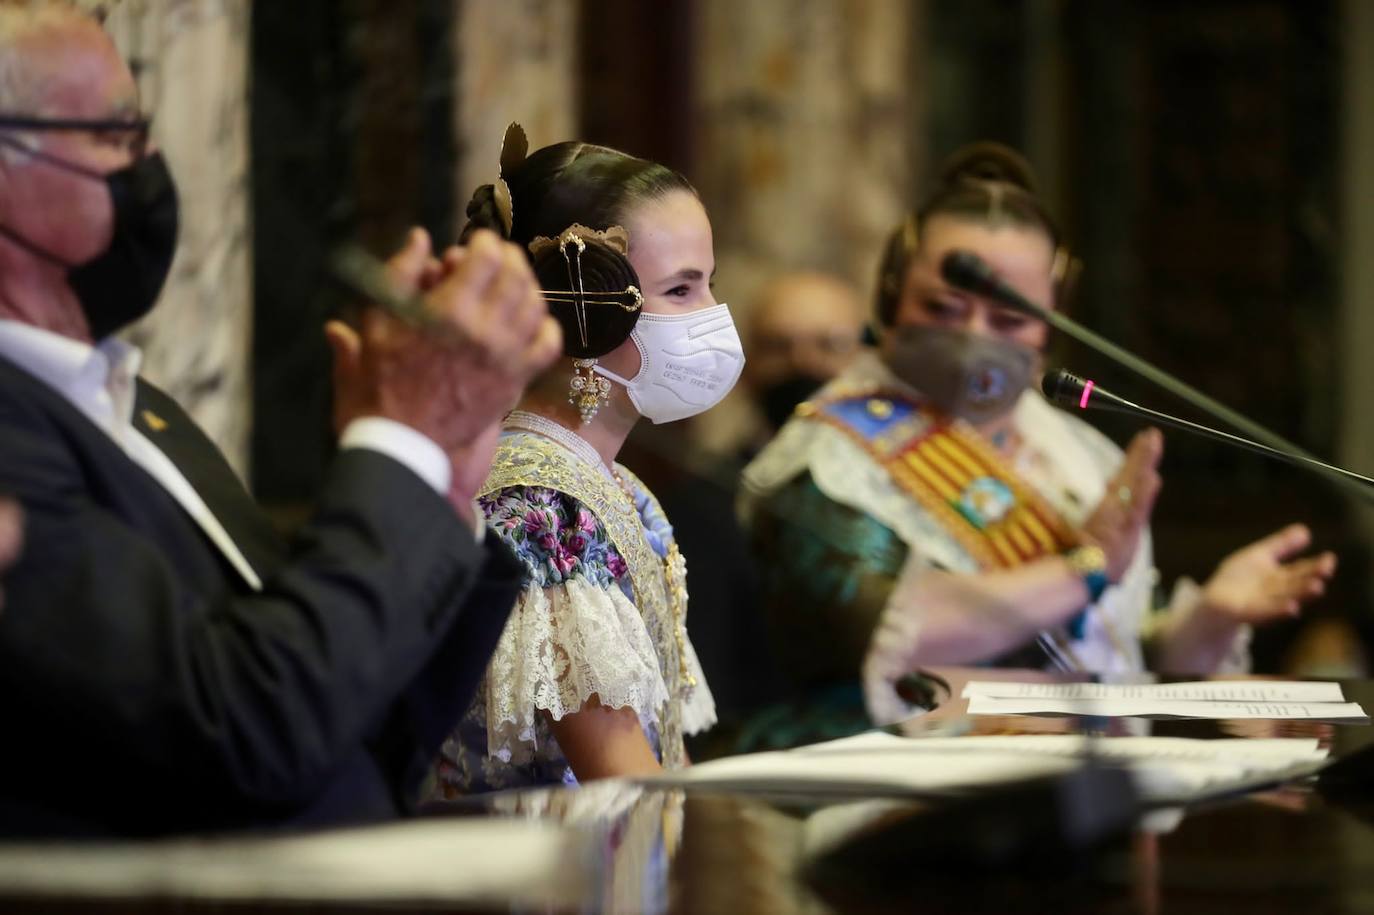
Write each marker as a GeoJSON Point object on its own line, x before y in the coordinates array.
{"type": "Point", "coordinates": [809, 122]}
{"type": "Point", "coordinates": [807, 147]}
{"type": "Point", "coordinates": [190, 57]}
{"type": "Point", "coordinates": [516, 61]}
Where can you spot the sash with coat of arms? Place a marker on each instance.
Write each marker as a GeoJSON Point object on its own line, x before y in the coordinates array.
{"type": "Point", "coordinates": [952, 472]}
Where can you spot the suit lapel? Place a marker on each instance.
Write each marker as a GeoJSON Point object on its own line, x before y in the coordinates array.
{"type": "Point", "coordinates": [177, 436]}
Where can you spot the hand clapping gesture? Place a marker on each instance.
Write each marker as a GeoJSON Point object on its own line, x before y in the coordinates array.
{"type": "Point", "coordinates": [453, 381]}
{"type": "Point", "coordinates": [1262, 581]}
{"type": "Point", "coordinates": [1123, 515]}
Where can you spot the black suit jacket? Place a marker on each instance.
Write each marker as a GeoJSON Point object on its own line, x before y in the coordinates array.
{"type": "Point", "coordinates": [146, 688]}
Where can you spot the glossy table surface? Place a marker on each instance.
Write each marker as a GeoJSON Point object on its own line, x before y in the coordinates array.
{"type": "Point", "coordinates": [1304, 847]}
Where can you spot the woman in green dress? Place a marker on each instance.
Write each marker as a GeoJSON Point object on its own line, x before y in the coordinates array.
{"type": "Point", "coordinates": [928, 506]}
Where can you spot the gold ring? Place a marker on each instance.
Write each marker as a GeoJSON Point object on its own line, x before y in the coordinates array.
{"type": "Point", "coordinates": [1124, 494]}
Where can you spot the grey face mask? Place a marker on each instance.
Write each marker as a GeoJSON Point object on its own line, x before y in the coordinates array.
{"type": "Point", "coordinates": [975, 378]}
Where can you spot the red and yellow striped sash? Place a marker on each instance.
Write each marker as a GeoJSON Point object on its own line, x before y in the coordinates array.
{"type": "Point", "coordinates": [954, 474]}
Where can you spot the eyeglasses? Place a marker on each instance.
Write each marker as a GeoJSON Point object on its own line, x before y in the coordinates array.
{"type": "Point", "coordinates": [130, 133]}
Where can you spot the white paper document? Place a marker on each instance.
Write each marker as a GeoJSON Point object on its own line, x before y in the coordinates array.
{"type": "Point", "coordinates": [1167, 708]}
{"type": "Point", "coordinates": [1166, 769]}
{"type": "Point", "coordinates": [1199, 690]}
{"type": "Point", "coordinates": [1202, 699]}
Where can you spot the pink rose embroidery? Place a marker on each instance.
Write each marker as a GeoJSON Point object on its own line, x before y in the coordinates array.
{"type": "Point", "coordinates": [586, 522]}
{"type": "Point", "coordinates": [564, 561]}
{"type": "Point", "coordinates": [534, 521]}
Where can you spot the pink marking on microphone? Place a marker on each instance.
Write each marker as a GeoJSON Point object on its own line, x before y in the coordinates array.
{"type": "Point", "coordinates": [1087, 392]}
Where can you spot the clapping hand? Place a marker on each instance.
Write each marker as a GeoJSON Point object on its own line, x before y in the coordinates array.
{"type": "Point", "coordinates": [454, 381]}
{"type": "Point", "coordinates": [1263, 581]}
{"type": "Point", "coordinates": [1258, 583]}
{"type": "Point", "coordinates": [1123, 515]}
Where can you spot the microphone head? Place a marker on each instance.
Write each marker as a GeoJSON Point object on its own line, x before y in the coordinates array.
{"type": "Point", "coordinates": [966, 270]}
{"type": "Point", "coordinates": [969, 272]}
{"type": "Point", "coordinates": [1063, 388]}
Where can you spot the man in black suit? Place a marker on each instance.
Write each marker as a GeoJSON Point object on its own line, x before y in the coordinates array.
{"type": "Point", "coordinates": [166, 664]}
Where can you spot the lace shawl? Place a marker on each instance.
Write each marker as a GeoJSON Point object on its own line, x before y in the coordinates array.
{"type": "Point", "coordinates": [575, 631]}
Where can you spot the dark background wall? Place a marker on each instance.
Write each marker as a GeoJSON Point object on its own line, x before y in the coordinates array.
{"type": "Point", "coordinates": [1191, 148]}
{"type": "Point", "coordinates": [352, 133]}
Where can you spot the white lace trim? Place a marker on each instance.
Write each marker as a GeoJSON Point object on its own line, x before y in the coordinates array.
{"type": "Point", "coordinates": [699, 708]}
{"type": "Point", "coordinates": [561, 645]}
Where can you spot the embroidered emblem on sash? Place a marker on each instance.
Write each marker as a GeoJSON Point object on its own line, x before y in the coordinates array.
{"type": "Point", "coordinates": [954, 474]}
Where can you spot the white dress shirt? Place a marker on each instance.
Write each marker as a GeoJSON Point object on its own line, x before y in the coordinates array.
{"type": "Point", "coordinates": [100, 380]}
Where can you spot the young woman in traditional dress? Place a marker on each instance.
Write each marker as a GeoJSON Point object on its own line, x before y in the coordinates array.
{"type": "Point", "coordinates": [594, 675]}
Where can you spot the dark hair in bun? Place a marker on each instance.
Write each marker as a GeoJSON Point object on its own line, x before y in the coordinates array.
{"type": "Point", "coordinates": [986, 182]}
{"type": "Point", "coordinates": [482, 212]}
{"type": "Point", "coordinates": [577, 183]}
{"type": "Point", "coordinates": [986, 161]}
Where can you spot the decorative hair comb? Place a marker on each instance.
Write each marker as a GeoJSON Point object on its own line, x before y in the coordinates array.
{"type": "Point", "coordinates": [571, 243]}
{"type": "Point", "coordinates": [514, 146]}
{"type": "Point", "coordinates": [1065, 272]}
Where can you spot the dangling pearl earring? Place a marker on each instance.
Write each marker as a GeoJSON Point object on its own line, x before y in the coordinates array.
{"type": "Point", "coordinates": [588, 392]}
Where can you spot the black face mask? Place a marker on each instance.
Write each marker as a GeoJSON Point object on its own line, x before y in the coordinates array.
{"type": "Point", "coordinates": [121, 284]}
{"type": "Point", "coordinates": [781, 397]}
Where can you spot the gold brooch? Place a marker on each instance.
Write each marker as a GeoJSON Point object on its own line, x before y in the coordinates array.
{"type": "Point", "coordinates": [879, 409]}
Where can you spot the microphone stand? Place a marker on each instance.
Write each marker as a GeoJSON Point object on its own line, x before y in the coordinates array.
{"type": "Point", "coordinates": [965, 270]}
{"type": "Point", "coordinates": [1106, 401]}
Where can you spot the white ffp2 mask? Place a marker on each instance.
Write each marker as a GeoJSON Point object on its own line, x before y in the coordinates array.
{"type": "Point", "coordinates": [687, 363]}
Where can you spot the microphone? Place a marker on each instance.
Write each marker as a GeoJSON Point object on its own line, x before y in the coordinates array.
{"type": "Point", "coordinates": [969, 272]}
{"type": "Point", "coordinates": [363, 274]}
{"type": "Point", "coordinates": [1067, 390]}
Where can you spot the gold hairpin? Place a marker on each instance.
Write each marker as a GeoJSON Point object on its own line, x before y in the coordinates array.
{"type": "Point", "coordinates": [574, 236]}
{"type": "Point", "coordinates": [569, 296]}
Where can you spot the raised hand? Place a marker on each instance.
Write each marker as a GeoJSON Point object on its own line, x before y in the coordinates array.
{"type": "Point", "coordinates": [503, 332]}
{"type": "Point", "coordinates": [1262, 581]}
{"type": "Point", "coordinates": [1124, 512]}
{"type": "Point", "coordinates": [490, 334]}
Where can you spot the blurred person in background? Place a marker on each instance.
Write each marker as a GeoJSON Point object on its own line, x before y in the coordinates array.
{"type": "Point", "coordinates": [804, 327]}
{"type": "Point", "coordinates": [929, 506]}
